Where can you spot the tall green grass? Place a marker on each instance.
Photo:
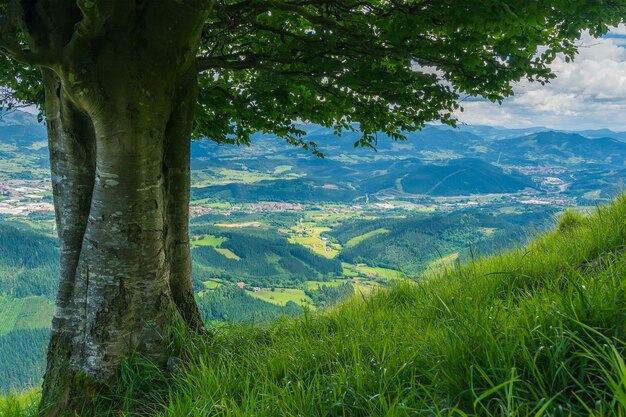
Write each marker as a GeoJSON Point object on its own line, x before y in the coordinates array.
{"type": "Point", "coordinates": [537, 331]}
{"type": "Point", "coordinates": [23, 404]}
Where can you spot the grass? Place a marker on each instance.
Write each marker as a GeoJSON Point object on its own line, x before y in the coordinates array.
{"type": "Point", "coordinates": [536, 331]}
{"type": "Point", "coordinates": [222, 176]}
{"type": "Point", "coordinates": [228, 253]}
{"type": "Point", "coordinates": [207, 178]}
{"type": "Point", "coordinates": [444, 261]}
{"type": "Point", "coordinates": [313, 285]}
{"type": "Point", "coordinates": [214, 242]}
{"type": "Point", "coordinates": [358, 239]}
{"type": "Point", "coordinates": [281, 296]}
{"type": "Point", "coordinates": [349, 270]}
{"type": "Point", "coordinates": [239, 225]}
{"type": "Point", "coordinates": [531, 332]}
{"type": "Point", "coordinates": [10, 310]}
{"type": "Point", "coordinates": [207, 240]}
{"type": "Point", "coordinates": [211, 285]}
{"type": "Point", "coordinates": [378, 272]}
{"type": "Point", "coordinates": [370, 272]}
{"type": "Point", "coordinates": [207, 202]}
{"type": "Point", "coordinates": [24, 313]}
{"type": "Point", "coordinates": [313, 240]}
{"type": "Point", "coordinates": [36, 313]}
{"type": "Point", "coordinates": [22, 404]}
{"type": "Point", "coordinates": [363, 288]}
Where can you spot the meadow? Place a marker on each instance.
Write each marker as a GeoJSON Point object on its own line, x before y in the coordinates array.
{"type": "Point", "coordinates": [24, 313]}
{"type": "Point", "coordinates": [538, 330]}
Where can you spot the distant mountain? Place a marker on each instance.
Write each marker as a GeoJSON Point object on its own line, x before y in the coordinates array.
{"type": "Point", "coordinates": [276, 190]}
{"type": "Point", "coordinates": [437, 161]}
{"type": "Point", "coordinates": [561, 148]}
{"type": "Point", "coordinates": [19, 118]}
{"type": "Point", "coordinates": [497, 133]}
{"type": "Point", "coordinates": [604, 133]}
{"type": "Point", "coordinates": [463, 176]}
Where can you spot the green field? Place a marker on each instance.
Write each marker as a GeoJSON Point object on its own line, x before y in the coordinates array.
{"type": "Point", "coordinates": [281, 296]}
{"type": "Point", "coordinates": [208, 240]}
{"type": "Point", "coordinates": [228, 253]}
{"type": "Point", "coordinates": [332, 214]}
{"type": "Point", "coordinates": [239, 225]}
{"type": "Point", "coordinates": [443, 261]}
{"type": "Point", "coordinates": [310, 236]}
{"type": "Point", "coordinates": [527, 333]}
{"type": "Point", "coordinates": [371, 272]}
{"type": "Point", "coordinates": [377, 272]}
{"type": "Point", "coordinates": [24, 313]}
{"type": "Point", "coordinates": [10, 310]}
{"type": "Point", "coordinates": [358, 239]}
{"type": "Point", "coordinates": [214, 242]}
{"type": "Point", "coordinates": [349, 270]}
{"type": "Point", "coordinates": [207, 202]}
{"type": "Point", "coordinates": [313, 285]}
{"type": "Point", "coordinates": [211, 285]}
{"type": "Point", "coordinates": [222, 176]}
{"type": "Point", "coordinates": [365, 288]}
{"type": "Point", "coordinates": [226, 176]}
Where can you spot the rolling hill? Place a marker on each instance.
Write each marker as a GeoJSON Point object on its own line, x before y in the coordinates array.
{"type": "Point", "coordinates": [534, 331]}
{"type": "Point", "coordinates": [463, 176]}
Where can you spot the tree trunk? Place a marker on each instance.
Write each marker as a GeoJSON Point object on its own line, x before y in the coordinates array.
{"type": "Point", "coordinates": [119, 126]}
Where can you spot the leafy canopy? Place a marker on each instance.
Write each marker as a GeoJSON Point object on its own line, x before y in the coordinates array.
{"type": "Point", "coordinates": [385, 65]}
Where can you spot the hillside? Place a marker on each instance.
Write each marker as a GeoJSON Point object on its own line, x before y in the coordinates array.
{"type": "Point", "coordinates": [538, 330]}
{"type": "Point", "coordinates": [294, 230]}
{"type": "Point", "coordinates": [437, 162]}
{"type": "Point", "coordinates": [456, 177]}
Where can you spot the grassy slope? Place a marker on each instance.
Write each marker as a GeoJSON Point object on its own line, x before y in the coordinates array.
{"type": "Point", "coordinates": [24, 313]}
{"type": "Point", "coordinates": [358, 239]}
{"type": "Point", "coordinates": [528, 332]}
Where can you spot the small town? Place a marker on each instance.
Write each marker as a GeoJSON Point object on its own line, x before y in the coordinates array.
{"type": "Point", "coordinates": [23, 197]}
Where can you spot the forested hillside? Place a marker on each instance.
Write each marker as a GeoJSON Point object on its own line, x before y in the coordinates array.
{"type": "Point", "coordinates": [536, 331]}
{"type": "Point", "coordinates": [411, 244]}
{"type": "Point", "coordinates": [28, 262]}
{"type": "Point", "coordinates": [275, 229]}
{"type": "Point", "coordinates": [270, 208]}
{"type": "Point", "coordinates": [261, 258]}
{"type": "Point", "coordinates": [280, 272]}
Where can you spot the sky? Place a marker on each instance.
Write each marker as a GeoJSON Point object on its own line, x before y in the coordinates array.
{"type": "Point", "coordinates": [589, 93]}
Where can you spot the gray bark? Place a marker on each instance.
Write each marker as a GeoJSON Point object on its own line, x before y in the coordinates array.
{"type": "Point", "coordinates": [121, 189]}
{"type": "Point", "coordinates": [119, 125]}
{"type": "Point", "coordinates": [176, 170]}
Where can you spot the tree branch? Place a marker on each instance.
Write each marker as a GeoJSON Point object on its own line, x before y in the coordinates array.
{"type": "Point", "coordinates": [88, 26]}
{"type": "Point", "coordinates": [11, 45]}
{"type": "Point", "coordinates": [92, 20]}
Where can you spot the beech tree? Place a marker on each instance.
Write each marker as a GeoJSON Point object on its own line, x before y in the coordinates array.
{"type": "Point", "coordinates": [125, 84]}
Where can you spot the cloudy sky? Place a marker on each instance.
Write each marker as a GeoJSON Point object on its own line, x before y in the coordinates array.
{"type": "Point", "coordinates": [589, 93]}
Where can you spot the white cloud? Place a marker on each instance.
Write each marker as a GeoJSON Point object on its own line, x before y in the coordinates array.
{"type": "Point", "coordinates": [620, 30]}
{"type": "Point", "coordinates": [589, 93]}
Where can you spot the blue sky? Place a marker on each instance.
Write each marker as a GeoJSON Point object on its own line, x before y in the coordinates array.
{"type": "Point", "coordinates": [589, 93]}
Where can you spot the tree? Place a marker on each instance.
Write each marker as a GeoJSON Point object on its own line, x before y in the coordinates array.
{"type": "Point", "coordinates": [124, 84]}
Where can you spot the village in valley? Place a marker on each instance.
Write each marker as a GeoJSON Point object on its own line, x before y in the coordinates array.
{"type": "Point", "coordinates": [352, 213]}
{"type": "Point", "coordinates": [24, 197]}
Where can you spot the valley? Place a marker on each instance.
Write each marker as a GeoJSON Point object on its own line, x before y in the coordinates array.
{"type": "Point", "coordinates": [274, 229]}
